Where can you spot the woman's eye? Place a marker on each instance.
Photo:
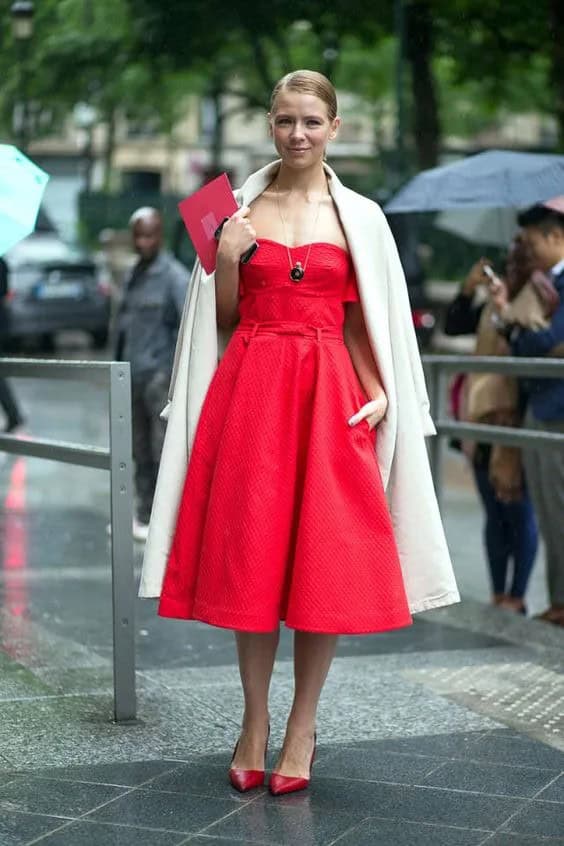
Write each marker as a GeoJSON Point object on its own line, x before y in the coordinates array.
{"type": "Point", "coordinates": [282, 122]}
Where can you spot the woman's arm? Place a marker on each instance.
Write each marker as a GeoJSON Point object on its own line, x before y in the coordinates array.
{"type": "Point", "coordinates": [358, 345]}
{"type": "Point", "coordinates": [237, 236]}
{"type": "Point", "coordinates": [463, 314]}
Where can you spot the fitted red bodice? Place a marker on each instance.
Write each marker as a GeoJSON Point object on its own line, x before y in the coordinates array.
{"type": "Point", "coordinates": [268, 294]}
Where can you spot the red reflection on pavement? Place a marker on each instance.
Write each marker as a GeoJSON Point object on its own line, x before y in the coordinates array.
{"type": "Point", "coordinates": [14, 547]}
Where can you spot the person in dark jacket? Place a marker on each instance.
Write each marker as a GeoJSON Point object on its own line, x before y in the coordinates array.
{"type": "Point", "coordinates": [146, 328]}
{"type": "Point", "coordinates": [510, 528]}
{"type": "Point", "coordinates": [14, 417]}
{"type": "Point", "coordinates": [543, 226]}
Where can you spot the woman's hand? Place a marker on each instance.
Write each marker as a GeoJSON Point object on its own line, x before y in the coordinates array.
{"type": "Point", "coordinates": [476, 276]}
{"type": "Point", "coordinates": [373, 412]}
{"type": "Point", "coordinates": [237, 236]}
{"type": "Point", "coordinates": [498, 294]}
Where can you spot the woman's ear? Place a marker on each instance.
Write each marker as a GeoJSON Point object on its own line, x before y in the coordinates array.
{"type": "Point", "coordinates": [335, 128]}
{"type": "Point", "coordinates": [269, 121]}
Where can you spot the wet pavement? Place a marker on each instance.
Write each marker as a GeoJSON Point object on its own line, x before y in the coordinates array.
{"type": "Point", "coordinates": [449, 733]}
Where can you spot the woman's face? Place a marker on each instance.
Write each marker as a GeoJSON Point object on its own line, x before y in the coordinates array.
{"type": "Point", "coordinates": [300, 128]}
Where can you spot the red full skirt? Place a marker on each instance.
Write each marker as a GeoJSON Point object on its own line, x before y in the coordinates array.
{"type": "Point", "coordinates": [283, 514]}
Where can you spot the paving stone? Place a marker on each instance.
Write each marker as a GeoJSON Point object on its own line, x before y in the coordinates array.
{"type": "Point", "coordinates": [205, 840]}
{"type": "Point", "coordinates": [554, 792]}
{"type": "Point", "coordinates": [513, 839]}
{"type": "Point", "coordinates": [53, 797]}
{"type": "Point", "coordinates": [17, 829]}
{"type": "Point", "coordinates": [457, 745]}
{"type": "Point", "coordinates": [400, 833]}
{"type": "Point", "coordinates": [545, 819]}
{"type": "Point", "coordinates": [490, 778]}
{"type": "Point", "coordinates": [102, 834]}
{"type": "Point", "coordinates": [422, 804]}
{"type": "Point", "coordinates": [370, 763]}
{"type": "Point", "coordinates": [518, 751]}
{"type": "Point", "coordinates": [293, 820]}
{"type": "Point", "coordinates": [172, 811]}
{"type": "Point", "coordinates": [194, 777]}
{"type": "Point", "coordinates": [125, 773]}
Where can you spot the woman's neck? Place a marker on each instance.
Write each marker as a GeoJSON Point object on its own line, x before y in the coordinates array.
{"type": "Point", "coordinates": [310, 181]}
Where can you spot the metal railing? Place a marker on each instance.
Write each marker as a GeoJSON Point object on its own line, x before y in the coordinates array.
{"type": "Point", "coordinates": [438, 368]}
{"type": "Point", "coordinates": [118, 460]}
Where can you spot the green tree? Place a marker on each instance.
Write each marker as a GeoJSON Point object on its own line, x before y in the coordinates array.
{"type": "Point", "coordinates": [85, 52]}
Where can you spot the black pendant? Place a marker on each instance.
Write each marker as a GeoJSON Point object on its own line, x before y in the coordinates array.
{"type": "Point", "coordinates": [297, 272]}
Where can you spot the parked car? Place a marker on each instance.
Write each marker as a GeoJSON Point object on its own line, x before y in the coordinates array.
{"type": "Point", "coordinates": [53, 288]}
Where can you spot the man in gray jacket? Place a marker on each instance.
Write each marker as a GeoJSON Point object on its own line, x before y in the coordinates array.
{"type": "Point", "coordinates": [146, 328]}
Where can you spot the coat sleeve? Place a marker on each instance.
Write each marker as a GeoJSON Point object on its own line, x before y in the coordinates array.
{"type": "Point", "coordinates": [400, 310]}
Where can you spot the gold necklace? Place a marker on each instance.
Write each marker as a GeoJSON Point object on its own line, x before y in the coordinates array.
{"type": "Point", "coordinates": [297, 270]}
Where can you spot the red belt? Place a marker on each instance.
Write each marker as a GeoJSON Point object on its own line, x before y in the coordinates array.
{"type": "Point", "coordinates": [322, 333]}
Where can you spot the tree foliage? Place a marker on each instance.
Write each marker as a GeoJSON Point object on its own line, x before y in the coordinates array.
{"type": "Point", "coordinates": [468, 61]}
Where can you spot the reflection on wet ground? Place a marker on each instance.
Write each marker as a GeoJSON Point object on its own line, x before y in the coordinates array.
{"type": "Point", "coordinates": [443, 733]}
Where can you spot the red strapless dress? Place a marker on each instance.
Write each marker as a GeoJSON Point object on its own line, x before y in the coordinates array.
{"type": "Point", "coordinates": [283, 514]}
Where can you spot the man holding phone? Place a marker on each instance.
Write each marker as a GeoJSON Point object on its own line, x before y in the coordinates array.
{"type": "Point", "coordinates": [543, 227]}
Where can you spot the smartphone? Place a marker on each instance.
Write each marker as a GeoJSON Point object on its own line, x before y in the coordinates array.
{"type": "Point", "coordinates": [489, 273]}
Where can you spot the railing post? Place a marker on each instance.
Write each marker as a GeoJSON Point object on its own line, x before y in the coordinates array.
{"type": "Point", "coordinates": [437, 394]}
{"type": "Point", "coordinates": [123, 583]}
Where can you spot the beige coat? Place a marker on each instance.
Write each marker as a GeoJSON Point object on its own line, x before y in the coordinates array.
{"type": "Point", "coordinates": [401, 452]}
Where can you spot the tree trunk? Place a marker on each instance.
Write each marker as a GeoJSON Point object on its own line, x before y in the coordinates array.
{"type": "Point", "coordinates": [217, 139]}
{"type": "Point", "coordinates": [419, 53]}
{"type": "Point", "coordinates": [109, 148]}
{"type": "Point", "coordinates": [556, 42]}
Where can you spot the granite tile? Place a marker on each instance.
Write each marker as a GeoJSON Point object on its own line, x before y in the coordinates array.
{"type": "Point", "coordinates": [20, 683]}
{"type": "Point", "coordinates": [194, 777]}
{"type": "Point", "coordinates": [204, 840]}
{"type": "Point", "coordinates": [80, 731]}
{"type": "Point", "coordinates": [452, 745]}
{"type": "Point", "coordinates": [554, 792]}
{"type": "Point", "coordinates": [423, 804]}
{"type": "Point", "coordinates": [172, 811]}
{"type": "Point", "coordinates": [372, 764]}
{"type": "Point", "coordinates": [513, 839]}
{"type": "Point", "coordinates": [18, 828]}
{"type": "Point", "coordinates": [517, 751]}
{"type": "Point", "coordinates": [125, 773]}
{"type": "Point", "coordinates": [293, 820]}
{"type": "Point", "coordinates": [490, 778]}
{"type": "Point", "coordinates": [545, 819]}
{"type": "Point", "coordinates": [53, 797]}
{"type": "Point", "coordinates": [400, 833]}
{"type": "Point", "coordinates": [166, 643]}
{"type": "Point", "coordinates": [103, 834]}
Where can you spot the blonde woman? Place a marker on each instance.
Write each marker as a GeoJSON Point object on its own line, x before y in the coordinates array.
{"type": "Point", "coordinates": [307, 497]}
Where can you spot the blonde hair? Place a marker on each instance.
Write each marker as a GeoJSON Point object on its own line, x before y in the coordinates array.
{"type": "Point", "coordinates": [307, 82]}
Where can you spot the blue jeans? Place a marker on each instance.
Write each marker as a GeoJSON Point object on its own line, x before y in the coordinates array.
{"type": "Point", "coordinates": [510, 534]}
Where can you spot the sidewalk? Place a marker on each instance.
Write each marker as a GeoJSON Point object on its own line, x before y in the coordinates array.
{"type": "Point", "coordinates": [449, 733]}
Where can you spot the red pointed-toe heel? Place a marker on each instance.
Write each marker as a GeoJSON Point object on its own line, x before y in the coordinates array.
{"type": "Point", "coordinates": [280, 784]}
{"type": "Point", "coordinates": [244, 780]}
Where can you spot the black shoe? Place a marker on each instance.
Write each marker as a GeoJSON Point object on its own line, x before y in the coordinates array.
{"type": "Point", "coordinates": [13, 426]}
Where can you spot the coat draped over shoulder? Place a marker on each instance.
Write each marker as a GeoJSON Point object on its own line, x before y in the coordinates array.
{"type": "Point", "coordinates": [401, 451]}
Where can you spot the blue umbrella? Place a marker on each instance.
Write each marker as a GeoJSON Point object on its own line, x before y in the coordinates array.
{"type": "Point", "coordinates": [495, 179]}
{"type": "Point", "coordinates": [22, 184]}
